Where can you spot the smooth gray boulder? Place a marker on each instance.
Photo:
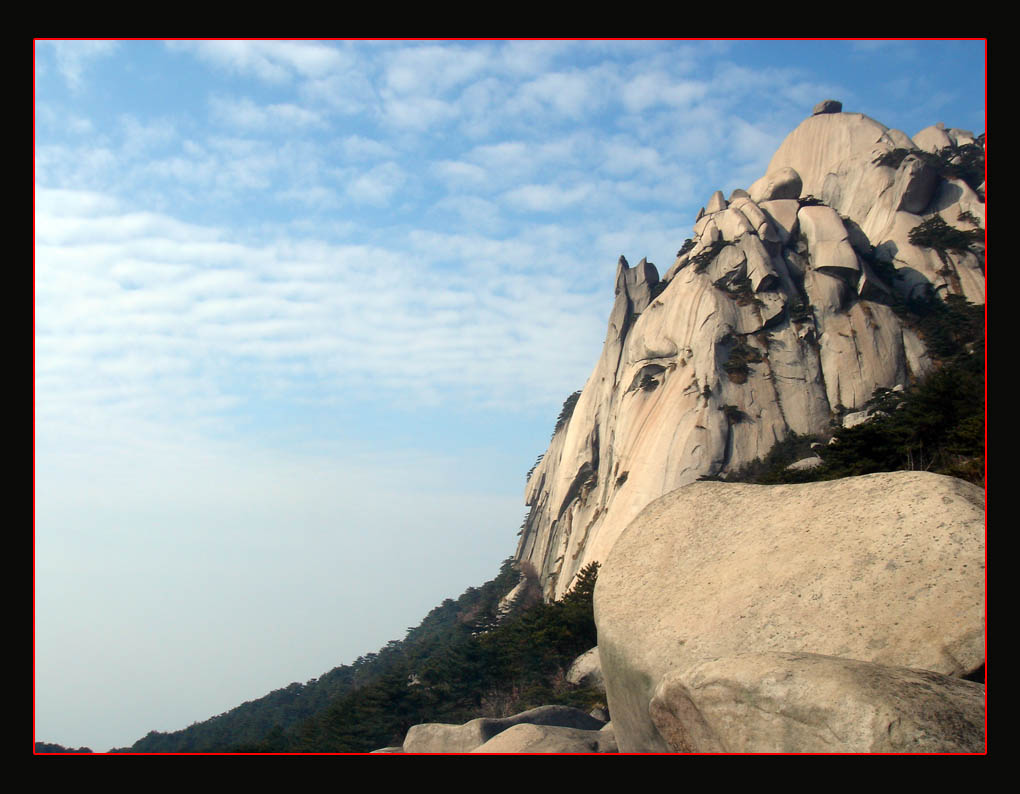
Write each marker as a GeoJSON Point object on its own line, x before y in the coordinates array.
{"type": "Point", "coordinates": [855, 418]}
{"type": "Point", "coordinates": [528, 738]}
{"type": "Point", "coordinates": [933, 138]}
{"type": "Point", "coordinates": [808, 703]}
{"type": "Point", "coordinates": [437, 737]}
{"type": "Point", "coordinates": [805, 463]}
{"type": "Point", "coordinates": [886, 568]}
{"type": "Point", "coordinates": [827, 106]}
{"type": "Point", "coordinates": [779, 183]}
{"type": "Point", "coordinates": [586, 670]}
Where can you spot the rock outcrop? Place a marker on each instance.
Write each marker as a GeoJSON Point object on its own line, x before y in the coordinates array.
{"type": "Point", "coordinates": [443, 738]}
{"type": "Point", "coordinates": [529, 738]}
{"type": "Point", "coordinates": [774, 318]}
{"type": "Point", "coordinates": [587, 671]}
{"type": "Point", "coordinates": [884, 568]}
{"type": "Point", "coordinates": [806, 703]}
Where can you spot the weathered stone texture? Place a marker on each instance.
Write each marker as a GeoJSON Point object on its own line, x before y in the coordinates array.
{"type": "Point", "coordinates": [887, 568]}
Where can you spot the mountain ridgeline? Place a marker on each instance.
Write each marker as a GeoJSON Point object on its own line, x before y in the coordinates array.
{"type": "Point", "coordinates": [834, 286]}
{"type": "Point", "coordinates": [825, 322]}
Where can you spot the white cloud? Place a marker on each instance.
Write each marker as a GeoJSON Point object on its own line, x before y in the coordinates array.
{"type": "Point", "coordinates": [531, 57]}
{"type": "Point", "coordinates": [657, 88]}
{"type": "Point", "coordinates": [515, 161]}
{"type": "Point", "coordinates": [74, 203]}
{"type": "Point", "coordinates": [417, 113]}
{"type": "Point", "coordinates": [140, 137]}
{"type": "Point", "coordinates": [61, 120]}
{"type": "Point", "coordinates": [456, 173]}
{"type": "Point", "coordinates": [477, 213]}
{"type": "Point", "coordinates": [547, 198]}
{"type": "Point", "coordinates": [272, 61]}
{"type": "Point", "coordinates": [480, 107]}
{"type": "Point", "coordinates": [350, 91]}
{"type": "Point", "coordinates": [74, 57]}
{"type": "Point", "coordinates": [316, 196]}
{"type": "Point", "coordinates": [432, 70]}
{"type": "Point", "coordinates": [86, 166]}
{"type": "Point", "coordinates": [357, 147]}
{"type": "Point", "coordinates": [378, 185]}
{"type": "Point", "coordinates": [623, 156]}
{"type": "Point", "coordinates": [503, 156]}
{"type": "Point", "coordinates": [572, 94]}
{"type": "Point", "coordinates": [898, 48]}
{"type": "Point", "coordinates": [140, 315]}
{"type": "Point", "coordinates": [246, 114]}
{"type": "Point", "coordinates": [752, 142]}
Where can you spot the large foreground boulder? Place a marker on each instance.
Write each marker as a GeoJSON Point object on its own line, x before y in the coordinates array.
{"type": "Point", "coordinates": [436, 737]}
{"type": "Point", "coordinates": [806, 703]}
{"type": "Point", "coordinates": [885, 568]}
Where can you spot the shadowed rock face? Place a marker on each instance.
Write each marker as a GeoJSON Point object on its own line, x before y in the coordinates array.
{"type": "Point", "coordinates": [773, 319]}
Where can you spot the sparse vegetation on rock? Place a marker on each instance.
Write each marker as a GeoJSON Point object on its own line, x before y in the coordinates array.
{"type": "Point", "coordinates": [936, 233]}
{"type": "Point", "coordinates": [966, 162]}
{"type": "Point", "coordinates": [566, 411]}
{"type": "Point", "coordinates": [741, 355]}
{"type": "Point", "coordinates": [704, 259]}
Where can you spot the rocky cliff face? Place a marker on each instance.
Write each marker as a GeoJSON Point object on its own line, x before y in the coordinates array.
{"type": "Point", "coordinates": [774, 318]}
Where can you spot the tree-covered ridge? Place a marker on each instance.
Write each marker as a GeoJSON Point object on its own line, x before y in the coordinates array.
{"type": "Point", "coordinates": [462, 661]}
{"type": "Point", "coordinates": [484, 667]}
{"type": "Point", "coordinates": [50, 747]}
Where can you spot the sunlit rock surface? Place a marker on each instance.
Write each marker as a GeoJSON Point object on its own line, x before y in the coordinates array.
{"type": "Point", "coordinates": [775, 319]}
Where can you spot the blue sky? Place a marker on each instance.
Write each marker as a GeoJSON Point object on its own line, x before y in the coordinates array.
{"type": "Point", "coordinates": [306, 313]}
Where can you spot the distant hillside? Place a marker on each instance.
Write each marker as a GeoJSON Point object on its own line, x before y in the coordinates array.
{"type": "Point", "coordinates": [463, 660]}
{"type": "Point", "coordinates": [47, 747]}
